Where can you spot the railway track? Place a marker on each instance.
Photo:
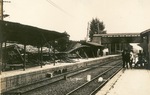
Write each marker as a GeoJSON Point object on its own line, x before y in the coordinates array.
{"type": "Point", "coordinates": [91, 87]}
{"type": "Point", "coordinates": [63, 83]}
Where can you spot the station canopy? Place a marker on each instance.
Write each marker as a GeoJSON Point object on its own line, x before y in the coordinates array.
{"type": "Point", "coordinates": [145, 33]}
{"type": "Point", "coordinates": [78, 48]}
{"type": "Point", "coordinates": [92, 44]}
{"type": "Point", "coordinates": [25, 34]}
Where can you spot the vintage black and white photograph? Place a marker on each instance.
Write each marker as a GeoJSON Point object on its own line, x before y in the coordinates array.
{"type": "Point", "coordinates": [74, 47]}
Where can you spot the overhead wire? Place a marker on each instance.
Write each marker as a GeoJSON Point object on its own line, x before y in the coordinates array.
{"type": "Point", "coordinates": [56, 6]}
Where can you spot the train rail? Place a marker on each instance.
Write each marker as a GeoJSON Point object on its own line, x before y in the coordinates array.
{"type": "Point", "coordinates": [51, 85]}
{"type": "Point", "coordinates": [91, 87]}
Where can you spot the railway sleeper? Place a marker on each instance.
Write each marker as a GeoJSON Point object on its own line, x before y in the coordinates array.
{"type": "Point", "coordinates": [12, 93]}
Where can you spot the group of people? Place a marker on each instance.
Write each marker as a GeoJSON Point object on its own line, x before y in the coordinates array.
{"type": "Point", "coordinates": [127, 58]}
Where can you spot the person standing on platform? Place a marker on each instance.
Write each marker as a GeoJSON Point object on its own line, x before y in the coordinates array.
{"type": "Point", "coordinates": [140, 58]}
{"type": "Point", "coordinates": [124, 58]}
{"type": "Point", "coordinates": [131, 59]}
{"type": "Point", "coordinates": [127, 58]}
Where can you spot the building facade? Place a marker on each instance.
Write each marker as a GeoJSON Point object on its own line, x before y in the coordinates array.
{"type": "Point", "coordinates": [145, 35]}
{"type": "Point", "coordinates": [116, 42]}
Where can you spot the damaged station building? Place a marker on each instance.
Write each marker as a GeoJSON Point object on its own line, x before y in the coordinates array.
{"type": "Point", "coordinates": [24, 46]}
{"type": "Point", "coordinates": [15, 40]}
{"type": "Point", "coordinates": [27, 54]}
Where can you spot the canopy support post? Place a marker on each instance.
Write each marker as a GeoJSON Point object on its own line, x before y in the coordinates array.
{"type": "Point", "coordinates": [38, 58]}
{"type": "Point", "coordinates": [54, 55]}
{"type": "Point", "coordinates": [49, 48]}
{"type": "Point", "coordinates": [55, 42]}
{"type": "Point", "coordinates": [24, 63]}
{"type": "Point", "coordinates": [4, 63]}
{"type": "Point", "coordinates": [41, 55]}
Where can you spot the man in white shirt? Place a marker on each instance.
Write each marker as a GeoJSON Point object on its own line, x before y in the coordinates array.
{"type": "Point", "coordinates": [131, 59]}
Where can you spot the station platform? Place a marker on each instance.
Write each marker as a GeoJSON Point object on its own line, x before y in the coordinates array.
{"type": "Point", "coordinates": [49, 66]}
{"type": "Point", "coordinates": [17, 78]}
{"type": "Point", "coordinates": [128, 82]}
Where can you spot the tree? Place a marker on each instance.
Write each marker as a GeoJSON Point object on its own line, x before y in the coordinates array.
{"type": "Point", "coordinates": [96, 27]}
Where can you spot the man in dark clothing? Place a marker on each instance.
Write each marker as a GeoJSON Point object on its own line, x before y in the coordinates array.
{"type": "Point", "coordinates": [124, 58]}
{"type": "Point", "coordinates": [127, 58]}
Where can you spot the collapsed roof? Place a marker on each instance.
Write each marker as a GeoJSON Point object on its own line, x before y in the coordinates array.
{"type": "Point", "coordinates": [28, 35]}
{"type": "Point", "coordinates": [92, 44]}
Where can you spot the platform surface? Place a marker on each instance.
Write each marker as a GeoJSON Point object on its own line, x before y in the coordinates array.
{"type": "Point", "coordinates": [131, 82]}
{"type": "Point", "coordinates": [38, 68]}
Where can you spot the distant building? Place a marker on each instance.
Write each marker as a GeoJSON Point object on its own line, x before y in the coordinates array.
{"type": "Point", "coordinates": [146, 44]}
{"type": "Point", "coordinates": [116, 42]}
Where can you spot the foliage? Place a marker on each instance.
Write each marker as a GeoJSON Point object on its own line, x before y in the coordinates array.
{"type": "Point", "coordinates": [96, 27]}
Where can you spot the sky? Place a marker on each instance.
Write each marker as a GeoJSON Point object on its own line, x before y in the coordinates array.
{"type": "Point", "coordinates": [73, 16]}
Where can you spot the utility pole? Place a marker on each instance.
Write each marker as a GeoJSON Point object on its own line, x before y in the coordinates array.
{"type": "Point", "coordinates": [1, 37]}
{"type": "Point", "coordinates": [98, 28]}
{"type": "Point", "coordinates": [2, 15]}
{"type": "Point", "coordinates": [87, 35]}
{"type": "Point", "coordinates": [1, 9]}
{"type": "Point", "coordinates": [0, 52]}
{"type": "Point", "coordinates": [1, 18]}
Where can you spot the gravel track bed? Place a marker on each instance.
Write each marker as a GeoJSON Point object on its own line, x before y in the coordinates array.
{"type": "Point", "coordinates": [93, 85]}
{"type": "Point", "coordinates": [64, 86]}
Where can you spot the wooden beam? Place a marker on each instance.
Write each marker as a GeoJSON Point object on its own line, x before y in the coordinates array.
{"type": "Point", "coordinates": [93, 52]}
{"type": "Point", "coordinates": [77, 52]}
{"type": "Point", "coordinates": [85, 54]}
